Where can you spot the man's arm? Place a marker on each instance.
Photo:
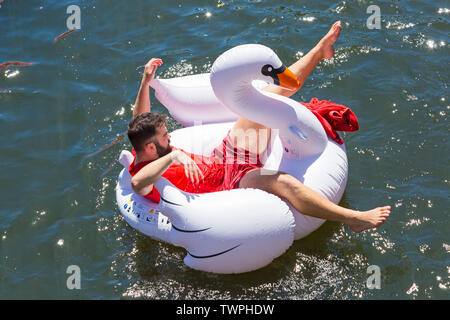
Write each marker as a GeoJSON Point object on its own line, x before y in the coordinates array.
{"type": "Point", "coordinates": [142, 103]}
{"type": "Point", "coordinates": [142, 182]}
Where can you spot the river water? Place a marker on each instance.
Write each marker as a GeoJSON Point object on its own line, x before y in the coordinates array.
{"type": "Point", "coordinates": [62, 119]}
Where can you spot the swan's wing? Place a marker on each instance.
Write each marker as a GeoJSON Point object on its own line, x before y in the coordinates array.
{"type": "Point", "coordinates": [191, 100]}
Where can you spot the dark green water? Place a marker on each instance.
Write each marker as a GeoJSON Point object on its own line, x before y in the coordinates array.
{"type": "Point", "coordinates": [57, 194]}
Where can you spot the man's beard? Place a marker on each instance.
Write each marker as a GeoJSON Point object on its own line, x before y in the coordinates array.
{"type": "Point", "coordinates": [162, 151]}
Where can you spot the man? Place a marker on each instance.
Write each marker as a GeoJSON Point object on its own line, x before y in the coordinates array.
{"type": "Point", "coordinates": [155, 157]}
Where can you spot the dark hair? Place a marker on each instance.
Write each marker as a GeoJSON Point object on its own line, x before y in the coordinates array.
{"type": "Point", "coordinates": [143, 127]}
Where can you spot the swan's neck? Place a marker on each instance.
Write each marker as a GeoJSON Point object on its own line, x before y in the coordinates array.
{"type": "Point", "coordinates": [243, 98]}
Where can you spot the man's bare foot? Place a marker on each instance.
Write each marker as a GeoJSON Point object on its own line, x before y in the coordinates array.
{"type": "Point", "coordinates": [369, 219]}
{"type": "Point", "coordinates": [325, 45]}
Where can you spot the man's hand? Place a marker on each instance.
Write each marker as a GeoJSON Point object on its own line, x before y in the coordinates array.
{"type": "Point", "coordinates": [191, 169]}
{"type": "Point", "coordinates": [142, 103]}
{"type": "Point", "coordinates": [150, 69]}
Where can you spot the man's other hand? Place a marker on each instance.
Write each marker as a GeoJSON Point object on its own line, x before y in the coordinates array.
{"type": "Point", "coordinates": [150, 69]}
{"type": "Point", "coordinates": [191, 169]}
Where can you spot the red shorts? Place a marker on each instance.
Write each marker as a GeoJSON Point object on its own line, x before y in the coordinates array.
{"type": "Point", "coordinates": [222, 171]}
{"type": "Point", "coordinates": [227, 166]}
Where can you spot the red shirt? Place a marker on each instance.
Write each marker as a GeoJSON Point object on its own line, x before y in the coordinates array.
{"type": "Point", "coordinates": [176, 175]}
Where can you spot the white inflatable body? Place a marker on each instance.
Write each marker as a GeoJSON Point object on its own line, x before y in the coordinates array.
{"type": "Point", "coordinates": [243, 229]}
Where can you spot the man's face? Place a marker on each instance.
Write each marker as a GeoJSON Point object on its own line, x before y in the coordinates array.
{"type": "Point", "coordinates": [162, 141]}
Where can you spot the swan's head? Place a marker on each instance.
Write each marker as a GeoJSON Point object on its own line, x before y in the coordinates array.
{"type": "Point", "coordinates": [252, 62]}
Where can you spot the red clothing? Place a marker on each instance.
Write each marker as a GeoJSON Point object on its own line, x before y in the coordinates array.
{"type": "Point", "coordinates": [333, 117]}
{"type": "Point", "coordinates": [222, 171]}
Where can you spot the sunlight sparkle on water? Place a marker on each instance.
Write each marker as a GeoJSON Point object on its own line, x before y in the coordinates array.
{"type": "Point", "coordinates": [11, 73]}
{"type": "Point", "coordinates": [308, 19]}
{"type": "Point", "coordinates": [431, 44]}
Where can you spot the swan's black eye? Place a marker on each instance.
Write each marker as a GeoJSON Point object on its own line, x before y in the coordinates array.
{"type": "Point", "coordinates": [270, 71]}
{"type": "Point", "coordinates": [267, 70]}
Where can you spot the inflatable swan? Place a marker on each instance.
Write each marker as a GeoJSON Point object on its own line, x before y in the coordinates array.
{"type": "Point", "coordinates": [243, 229]}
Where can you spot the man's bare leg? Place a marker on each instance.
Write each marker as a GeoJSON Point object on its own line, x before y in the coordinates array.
{"type": "Point", "coordinates": [302, 198]}
{"type": "Point", "coordinates": [309, 202]}
{"type": "Point", "coordinates": [302, 68]}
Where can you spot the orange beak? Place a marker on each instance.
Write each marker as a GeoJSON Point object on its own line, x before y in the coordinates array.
{"type": "Point", "coordinates": [288, 80]}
